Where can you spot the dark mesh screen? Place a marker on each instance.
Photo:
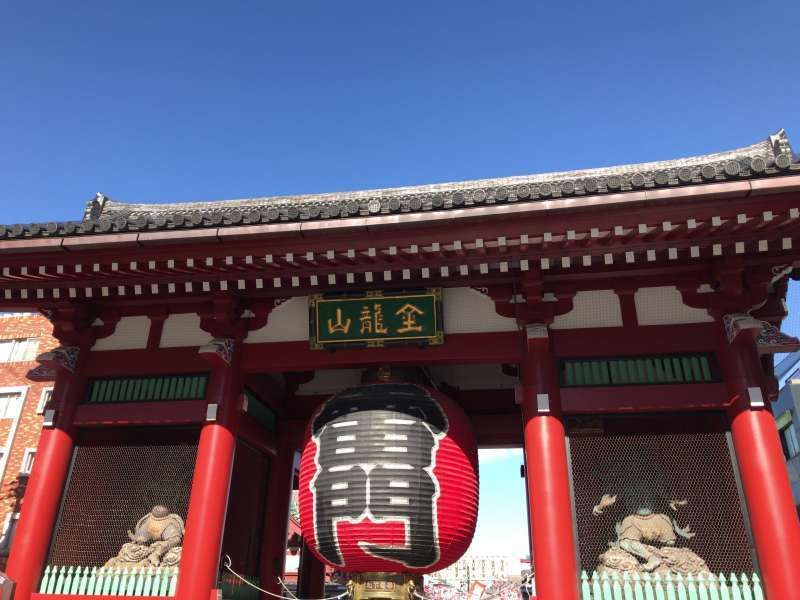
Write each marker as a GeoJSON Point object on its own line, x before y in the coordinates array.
{"type": "Point", "coordinates": [112, 485]}
{"type": "Point", "coordinates": [649, 461]}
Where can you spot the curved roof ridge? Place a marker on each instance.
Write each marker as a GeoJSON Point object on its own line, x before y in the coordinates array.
{"type": "Point", "coordinates": [766, 149]}
{"type": "Point", "coordinates": [771, 156]}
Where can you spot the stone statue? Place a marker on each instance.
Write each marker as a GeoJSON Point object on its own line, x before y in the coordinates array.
{"type": "Point", "coordinates": [650, 537]}
{"type": "Point", "coordinates": [155, 543]}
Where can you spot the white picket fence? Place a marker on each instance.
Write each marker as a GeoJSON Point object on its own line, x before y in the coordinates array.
{"type": "Point", "coordinates": [112, 581]}
{"type": "Point", "coordinates": [162, 581]}
{"type": "Point", "coordinates": [656, 587]}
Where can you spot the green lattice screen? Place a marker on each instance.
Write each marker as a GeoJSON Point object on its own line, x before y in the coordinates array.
{"type": "Point", "coordinates": [639, 370]}
{"type": "Point", "coordinates": [262, 413]}
{"type": "Point", "coordinates": [108, 390]}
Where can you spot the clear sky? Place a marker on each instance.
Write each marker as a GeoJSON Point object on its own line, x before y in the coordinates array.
{"type": "Point", "coordinates": [167, 101]}
{"type": "Point", "coordinates": [151, 101]}
{"type": "Point", "coordinates": [502, 510]}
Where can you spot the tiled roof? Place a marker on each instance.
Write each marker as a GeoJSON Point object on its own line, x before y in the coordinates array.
{"type": "Point", "coordinates": [772, 156]}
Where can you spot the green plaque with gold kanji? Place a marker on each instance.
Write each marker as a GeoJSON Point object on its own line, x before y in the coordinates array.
{"type": "Point", "coordinates": [376, 319]}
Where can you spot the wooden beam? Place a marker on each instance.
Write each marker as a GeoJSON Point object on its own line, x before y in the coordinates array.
{"type": "Point", "coordinates": [145, 362]}
{"type": "Point", "coordinates": [178, 412]}
{"type": "Point", "coordinates": [495, 431]}
{"type": "Point", "coordinates": [459, 348]}
{"type": "Point", "coordinates": [651, 398]}
{"type": "Point", "coordinates": [650, 339]}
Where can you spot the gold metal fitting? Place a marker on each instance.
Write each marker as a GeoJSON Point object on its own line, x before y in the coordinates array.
{"type": "Point", "coordinates": [384, 586]}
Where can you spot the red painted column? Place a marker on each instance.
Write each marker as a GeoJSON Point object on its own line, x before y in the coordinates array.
{"type": "Point", "coordinates": [273, 548]}
{"type": "Point", "coordinates": [208, 501]}
{"type": "Point", "coordinates": [549, 497]}
{"type": "Point", "coordinates": [762, 468]}
{"type": "Point", "coordinates": [45, 486]}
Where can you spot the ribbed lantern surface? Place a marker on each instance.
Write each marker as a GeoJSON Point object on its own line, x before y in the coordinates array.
{"type": "Point", "coordinates": [389, 480]}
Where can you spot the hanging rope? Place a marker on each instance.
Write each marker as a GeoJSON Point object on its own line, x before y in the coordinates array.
{"type": "Point", "coordinates": [291, 596]}
{"type": "Point", "coordinates": [263, 591]}
{"type": "Point", "coordinates": [286, 589]}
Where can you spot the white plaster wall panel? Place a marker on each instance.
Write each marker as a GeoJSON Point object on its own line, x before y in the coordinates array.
{"type": "Point", "coordinates": [664, 305]}
{"type": "Point", "coordinates": [331, 381]}
{"type": "Point", "coordinates": [595, 308]}
{"type": "Point", "coordinates": [469, 311]}
{"type": "Point", "coordinates": [130, 334]}
{"type": "Point", "coordinates": [183, 330]}
{"type": "Point", "coordinates": [288, 322]}
{"type": "Point", "coordinates": [473, 377]}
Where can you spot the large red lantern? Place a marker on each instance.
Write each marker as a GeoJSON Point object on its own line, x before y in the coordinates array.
{"type": "Point", "coordinates": [389, 480]}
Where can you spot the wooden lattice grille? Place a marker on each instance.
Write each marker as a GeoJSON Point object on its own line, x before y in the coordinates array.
{"type": "Point", "coordinates": [638, 370]}
{"type": "Point", "coordinates": [108, 390]}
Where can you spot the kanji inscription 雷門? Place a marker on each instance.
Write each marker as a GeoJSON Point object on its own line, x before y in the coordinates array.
{"type": "Point", "coordinates": [375, 448]}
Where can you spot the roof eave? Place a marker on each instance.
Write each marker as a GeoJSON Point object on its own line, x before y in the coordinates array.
{"type": "Point", "coordinates": [356, 225]}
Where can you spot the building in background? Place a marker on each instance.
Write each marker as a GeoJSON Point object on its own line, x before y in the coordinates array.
{"type": "Point", "coordinates": [786, 407]}
{"type": "Point", "coordinates": [787, 417]}
{"type": "Point", "coordinates": [486, 568]}
{"type": "Point", "coordinates": [22, 402]}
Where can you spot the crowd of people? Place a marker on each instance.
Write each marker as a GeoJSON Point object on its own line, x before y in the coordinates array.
{"type": "Point", "coordinates": [441, 591]}
{"type": "Point", "coordinates": [503, 590]}
{"type": "Point", "coordinates": [512, 589]}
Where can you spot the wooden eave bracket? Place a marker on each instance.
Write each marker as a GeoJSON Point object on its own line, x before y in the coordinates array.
{"type": "Point", "coordinates": [529, 303]}
{"type": "Point", "coordinates": [74, 327]}
{"type": "Point", "coordinates": [736, 290]}
{"type": "Point", "coordinates": [75, 323]}
{"type": "Point", "coordinates": [219, 351]}
{"type": "Point", "coordinates": [738, 323]}
{"type": "Point", "coordinates": [41, 373]}
{"type": "Point", "coordinates": [769, 339]}
{"type": "Point", "coordinates": [223, 317]}
{"type": "Point", "coordinates": [60, 358]}
{"type": "Point", "coordinates": [772, 340]}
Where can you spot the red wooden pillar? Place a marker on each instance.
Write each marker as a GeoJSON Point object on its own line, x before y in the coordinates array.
{"type": "Point", "coordinates": [273, 549]}
{"type": "Point", "coordinates": [311, 575]}
{"type": "Point", "coordinates": [549, 498]}
{"type": "Point", "coordinates": [208, 501]}
{"type": "Point", "coordinates": [46, 483]}
{"type": "Point", "coordinates": [762, 467]}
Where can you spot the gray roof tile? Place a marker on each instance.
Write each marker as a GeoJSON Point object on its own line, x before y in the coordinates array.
{"type": "Point", "coordinates": [772, 156]}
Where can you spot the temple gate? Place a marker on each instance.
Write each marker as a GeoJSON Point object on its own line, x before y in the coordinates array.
{"type": "Point", "coordinates": [618, 323]}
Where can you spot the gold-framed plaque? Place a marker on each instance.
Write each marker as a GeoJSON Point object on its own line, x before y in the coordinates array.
{"type": "Point", "coordinates": [376, 319]}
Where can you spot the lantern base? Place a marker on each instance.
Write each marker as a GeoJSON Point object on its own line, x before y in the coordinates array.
{"type": "Point", "coordinates": [384, 586]}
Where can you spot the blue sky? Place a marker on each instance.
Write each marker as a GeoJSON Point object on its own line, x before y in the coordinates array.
{"type": "Point", "coordinates": [174, 101]}
{"type": "Point", "coordinates": [168, 101]}
{"type": "Point", "coordinates": [502, 511]}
